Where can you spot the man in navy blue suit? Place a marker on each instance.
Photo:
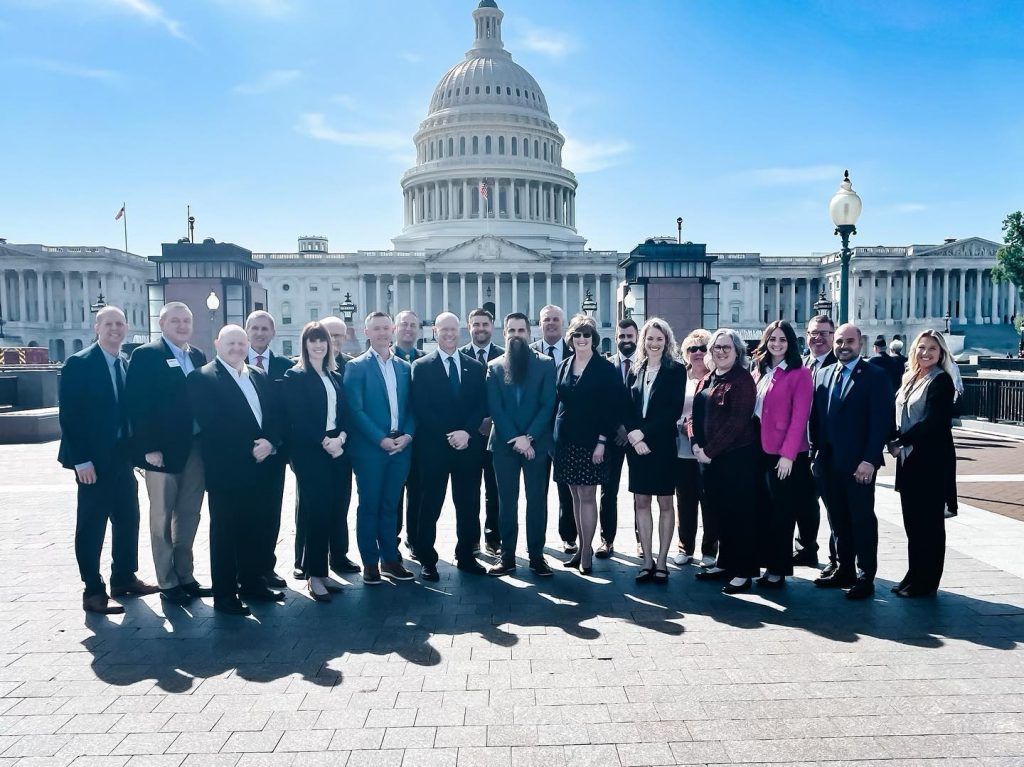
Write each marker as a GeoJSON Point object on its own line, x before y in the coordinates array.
{"type": "Point", "coordinates": [377, 389]}
{"type": "Point", "coordinates": [850, 422]}
{"type": "Point", "coordinates": [94, 442]}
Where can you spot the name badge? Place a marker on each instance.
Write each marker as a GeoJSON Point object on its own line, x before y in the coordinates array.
{"type": "Point", "coordinates": [172, 363]}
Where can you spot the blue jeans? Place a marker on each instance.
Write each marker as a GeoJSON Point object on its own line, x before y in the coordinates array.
{"type": "Point", "coordinates": [380, 479]}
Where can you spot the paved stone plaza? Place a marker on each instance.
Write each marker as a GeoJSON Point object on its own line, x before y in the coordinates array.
{"type": "Point", "coordinates": [568, 670]}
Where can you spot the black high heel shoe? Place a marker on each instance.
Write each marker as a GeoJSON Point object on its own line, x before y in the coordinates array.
{"type": "Point", "coordinates": [574, 562]}
{"type": "Point", "coordinates": [730, 589]}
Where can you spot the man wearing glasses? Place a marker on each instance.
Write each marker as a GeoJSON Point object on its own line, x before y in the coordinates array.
{"type": "Point", "coordinates": [820, 335]}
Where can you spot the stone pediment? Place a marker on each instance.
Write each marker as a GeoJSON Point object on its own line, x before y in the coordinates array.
{"type": "Point", "coordinates": [488, 249]}
{"type": "Point", "coordinates": [969, 247]}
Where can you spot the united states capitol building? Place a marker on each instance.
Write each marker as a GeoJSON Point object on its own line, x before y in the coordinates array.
{"type": "Point", "coordinates": [490, 220]}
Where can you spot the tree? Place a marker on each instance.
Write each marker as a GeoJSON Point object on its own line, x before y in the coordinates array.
{"type": "Point", "coordinates": [1010, 258]}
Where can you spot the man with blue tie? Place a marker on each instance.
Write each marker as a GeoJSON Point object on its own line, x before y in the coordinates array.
{"type": "Point", "coordinates": [851, 419]}
{"type": "Point", "coordinates": [166, 447]}
{"type": "Point", "coordinates": [377, 389]}
{"type": "Point", "coordinates": [95, 443]}
{"type": "Point", "coordinates": [450, 404]}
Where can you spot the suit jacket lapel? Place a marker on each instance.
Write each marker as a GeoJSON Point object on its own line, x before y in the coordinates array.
{"type": "Point", "coordinates": [235, 392]}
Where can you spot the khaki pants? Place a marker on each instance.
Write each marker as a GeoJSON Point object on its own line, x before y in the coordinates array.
{"type": "Point", "coordinates": [174, 504]}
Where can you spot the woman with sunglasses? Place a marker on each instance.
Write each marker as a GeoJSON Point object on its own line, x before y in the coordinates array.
{"type": "Point", "coordinates": [651, 427]}
{"type": "Point", "coordinates": [724, 440]}
{"type": "Point", "coordinates": [783, 407]}
{"type": "Point", "coordinates": [589, 396]}
{"type": "Point", "coordinates": [689, 488]}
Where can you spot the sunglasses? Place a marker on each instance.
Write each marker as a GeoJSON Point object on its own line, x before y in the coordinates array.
{"type": "Point", "coordinates": [582, 334]}
{"type": "Point", "coordinates": [692, 349]}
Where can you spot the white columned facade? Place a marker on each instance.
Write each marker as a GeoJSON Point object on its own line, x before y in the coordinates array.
{"type": "Point", "coordinates": [376, 293]}
{"type": "Point", "coordinates": [445, 305]}
{"type": "Point", "coordinates": [887, 314]}
{"type": "Point", "coordinates": [961, 311]}
{"type": "Point", "coordinates": [927, 313]}
{"type": "Point", "coordinates": [977, 297]}
{"type": "Point", "coordinates": [3, 291]}
{"type": "Point", "coordinates": [480, 295]}
{"type": "Point", "coordinates": [995, 303]}
{"type": "Point", "coordinates": [462, 297]}
{"type": "Point", "coordinates": [530, 299]}
{"type": "Point", "coordinates": [427, 298]}
{"type": "Point", "coordinates": [497, 293]}
{"type": "Point", "coordinates": [515, 290]}
{"type": "Point", "coordinates": [547, 292]}
{"type": "Point", "coordinates": [912, 306]}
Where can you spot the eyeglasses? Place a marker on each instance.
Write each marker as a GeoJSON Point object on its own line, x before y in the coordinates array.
{"type": "Point", "coordinates": [722, 349]}
{"type": "Point", "coordinates": [582, 334]}
{"type": "Point", "coordinates": [821, 333]}
{"type": "Point", "coordinates": [694, 349]}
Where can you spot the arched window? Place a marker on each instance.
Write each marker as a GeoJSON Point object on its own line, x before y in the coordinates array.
{"type": "Point", "coordinates": [462, 145]}
{"type": "Point", "coordinates": [536, 148]}
{"type": "Point", "coordinates": [515, 146]}
{"type": "Point", "coordinates": [508, 91]}
{"type": "Point", "coordinates": [517, 93]}
{"type": "Point", "coordinates": [440, 149]}
{"type": "Point", "coordinates": [487, 89]}
{"type": "Point", "coordinates": [477, 90]}
{"type": "Point", "coordinates": [545, 150]}
{"type": "Point", "coordinates": [431, 150]}
{"type": "Point", "coordinates": [526, 147]}
{"type": "Point", "coordinates": [451, 147]}
{"type": "Point", "coordinates": [487, 145]}
{"type": "Point", "coordinates": [501, 145]}
{"type": "Point", "coordinates": [476, 145]}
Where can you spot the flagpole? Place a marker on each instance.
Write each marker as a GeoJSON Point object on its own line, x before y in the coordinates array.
{"type": "Point", "coordinates": [124, 207]}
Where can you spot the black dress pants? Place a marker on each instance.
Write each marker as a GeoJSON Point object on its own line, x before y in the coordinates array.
{"type": "Point", "coordinates": [323, 489]}
{"type": "Point", "coordinates": [731, 492]}
{"type": "Point", "coordinates": [338, 533]}
{"type": "Point", "coordinates": [923, 501]}
{"type": "Point", "coordinates": [690, 498]}
{"type": "Point", "coordinates": [271, 526]}
{"type": "Point", "coordinates": [114, 496]}
{"type": "Point", "coordinates": [492, 523]}
{"type": "Point", "coordinates": [808, 520]}
{"type": "Point", "coordinates": [615, 457]}
{"type": "Point", "coordinates": [438, 464]}
{"type": "Point", "coordinates": [778, 518]}
{"type": "Point", "coordinates": [234, 536]}
{"type": "Point", "coordinates": [851, 514]}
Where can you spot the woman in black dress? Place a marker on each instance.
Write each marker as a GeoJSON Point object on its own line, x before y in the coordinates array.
{"type": "Point", "coordinates": [656, 401]}
{"type": "Point", "coordinates": [313, 397]}
{"type": "Point", "coordinates": [589, 394]}
{"type": "Point", "coordinates": [923, 447]}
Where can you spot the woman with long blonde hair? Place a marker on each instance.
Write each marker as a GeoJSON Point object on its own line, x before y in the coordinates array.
{"type": "Point", "coordinates": [923, 446]}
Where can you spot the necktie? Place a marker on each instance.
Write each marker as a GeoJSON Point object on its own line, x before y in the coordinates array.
{"type": "Point", "coordinates": [122, 411]}
{"type": "Point", "coordinates": [551, 352]}
{"type": "Point", "coordinates": [453, 376]}
{"type": "Point", "coordinates": [625, 368]}
{"type": "Point", "coordinates": [259, 362]}
{"type": "Point", "coordinates": [481, 355]}
{"type": "Point", "coordinates": [837, 388]}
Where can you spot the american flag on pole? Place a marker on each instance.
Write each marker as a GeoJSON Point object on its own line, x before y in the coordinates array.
{"type": "Point", "coordinates": [483, 188]}
{"type": "Point", "coordinates": [119, 214]}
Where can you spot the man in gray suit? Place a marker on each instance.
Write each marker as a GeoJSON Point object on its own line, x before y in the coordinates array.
{"type": "Point", "coordinates": [377, 393]}
{"type": "Point", "coordinates": [521, 400]}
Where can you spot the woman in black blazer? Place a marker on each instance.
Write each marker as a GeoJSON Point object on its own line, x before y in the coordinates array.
{"type": "Point", "coordinates": [656, 400]}
{"type": "Point", "coordinates": [314, 402]}
{"type": "Point", "coordinates": [923, 446]}
{"type": "Point", "coordinates": [589, 397]}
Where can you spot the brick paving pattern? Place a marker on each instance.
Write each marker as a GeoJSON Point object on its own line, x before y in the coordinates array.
{"type": "Point", "coordinates": [560, 671]}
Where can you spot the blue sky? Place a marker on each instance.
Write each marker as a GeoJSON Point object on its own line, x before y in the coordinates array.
{"type": "Point", "coordinates": [275, 118]}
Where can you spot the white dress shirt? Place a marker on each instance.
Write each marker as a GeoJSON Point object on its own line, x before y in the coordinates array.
{"type": "Point", "coordinates": [332, 401]}
{"type": "Point", "coordinates": [444, 359]}
{"type": "Point", "coordinates": [387, 369]}
{"type": "Point", "coordinates": [762, 386]}
{"type": "Point", "coordinates": [182, 356]}
{"type": "Point", "coordinates": [265, 354]}
{"type": "Point", "coordinates": [553, 350]}
{"type": "Point", "coordinates": [248, 389]}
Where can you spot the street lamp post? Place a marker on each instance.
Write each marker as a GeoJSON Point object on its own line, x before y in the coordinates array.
{"type": "Point", "coordinates": [628, 304]}
{"type": "Point", "coordinates": [845, 210]}
{"type": "Point", "coordinates": [946, 319]}
{"type": "Point", "coordinates": [589, 305]}
{"type": "Point", "coordinates": [213, 304]}
{"type": "Point", "coordinates": [823, 305]}
{"type": "Point", "coordinates": [101, 303]}
{"type": "Point", "coordinates": [347, 309]}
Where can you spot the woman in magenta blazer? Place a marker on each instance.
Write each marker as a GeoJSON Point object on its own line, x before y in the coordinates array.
{"type": "Point", "coordinates": [784, 391]}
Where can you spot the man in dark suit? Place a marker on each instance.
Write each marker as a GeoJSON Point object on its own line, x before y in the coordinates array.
{"type": "Point", "coordinates": [881, 359]}
{"type": "Point", "coordinates": [240, 428]}
{"type": "Point", "coordinates": [261, 329]}
{"type": "Point", "coordinates": [553, 345]}
{"type": "Point", "coordinates": [449, 401]}
{"type": "Point", "coordinates": [407, 335]}
{"type": "Point", "coordinates": [521, 401]}
{"type": "Point", "coordinates": [94, 443]}
{"type": "Point", "coordinates": [615, 452]}
{"type": "Point", "coordinates": [821, 332]}
{"type": "Point", "coordinates": [166, 446]}
{"type": "Point", "coordinates": [851, 420]}
{"type": "Point", "coordinates": [480, 348]}
{"type": "Point", "coordinates": [338, 546]}
{"type": "Point", "coordinates": [377, 390]}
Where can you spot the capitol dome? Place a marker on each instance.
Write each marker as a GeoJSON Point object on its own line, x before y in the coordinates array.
{"type": "Point", "coordinates": [488, 156]}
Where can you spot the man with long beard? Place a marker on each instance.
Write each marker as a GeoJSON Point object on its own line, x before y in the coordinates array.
{"type": "Point", "coordinates": [521, 400]}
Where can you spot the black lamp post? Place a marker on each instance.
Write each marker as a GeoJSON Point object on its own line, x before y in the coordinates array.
{"type": "Point", "coordinates": [347, 309]}
{"type": "Point", "coordinates": [100, 304]}
{"type": "Point", "coordinates": [589, 305]}
{"type": "Point", "coordinates": [845, 210]}
{"type": "Point", "coordinates": [823, 305]}
{"type": "Point", "coordinates": [213, 304]}
{"type": "Point", "coordinates": [946, 319]}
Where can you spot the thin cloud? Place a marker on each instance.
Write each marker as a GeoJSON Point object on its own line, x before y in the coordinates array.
{"type": "Point", "coordinates": [547, 42]}
{"type": "Point", "coordinates": [790, 176]}
{"type": "Point", "coordinates": [73, 70]}
{"type": "Point", "coordinates": [271, 9]}
{"type": "Point", "coordinates": [149, 12]}
{"type": "Point", "coordinates": [271, 81]}
{"type": "Point", "coordinates": [591, 156]}
{"type": "Point", "coordinates": [314, 125]}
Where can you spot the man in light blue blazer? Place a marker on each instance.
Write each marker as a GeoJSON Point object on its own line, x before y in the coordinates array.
{"type": "Point", "coordinates": [377, 394]}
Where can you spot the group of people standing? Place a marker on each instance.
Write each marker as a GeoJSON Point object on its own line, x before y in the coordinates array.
{"type": "Point", "coordinates": [748, 446]}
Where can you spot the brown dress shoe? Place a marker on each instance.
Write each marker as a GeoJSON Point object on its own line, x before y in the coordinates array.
{"type": "Point", "coordinates": [134, 588]}
{"type": "Point", "coordinates": [97, 603]}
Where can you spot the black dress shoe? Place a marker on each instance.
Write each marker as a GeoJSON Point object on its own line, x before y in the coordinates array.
{"type": "Point", "coordinates": [861, 590]}
{"type": "Point", "coordinates": [586, 570]}
{"type": "Point", "coordinates": [764, 583]}
{"type": "Point", "coordinates": [730, 589]}
{"type": "Point", "coordinates": [805, 559]}
{"type": "Point", "coordinates": [231, 606]}
{"type": "Point", "coordinates": [570, 547]}
{"type": "Point", "coordinates": [274, 581]}
{"type": "Point", "coordinates": [346, 565]}
{"type": "Point", "coordinates": [837, 580]}
{"type": "Point", "coordinates": [574, 562]}
{"type": "Point", "coordinates": [429, 573]}
{"type": "Point", "coordinates": [830, 569]}
{"type": "Point", "coordinates": [502, 568]}
{"type": "Point", "coordinates": [472, 567]}
{"type": "Point", "coordinates": [540, 567]}
{"type": "Point", "coordinates": [319, 597]}
{"type": "Point", "coordinates": [711, 575]}
{"type": "Point", "coordinates": [176, 595]}
{"type": "Point", "coordinates": [299, 574]}
{"type": "Point", "coordinates": [604, 550]}
{"type": "Point", "coordinates": [261, 593]}
{"type": "Point", "coordinates": [195, 591]}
